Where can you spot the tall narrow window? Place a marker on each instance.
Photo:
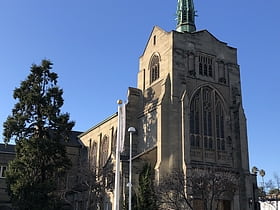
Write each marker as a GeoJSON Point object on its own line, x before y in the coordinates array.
{"type": "Point", "coordinates": [154, 68]}
{"type": "Point", "coordinates": [195, 121]}
{"type": "Point", "coordinates": [93, 156]}
{"type": "Point", "coordinates": [220, 127]}
{"type": "Point", "coordinates": [104, 150]}
{"type": "Point", "coordinates": [207, 116]}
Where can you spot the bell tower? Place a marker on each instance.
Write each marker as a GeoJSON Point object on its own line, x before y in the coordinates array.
{"type": "Point", "coordinates": [192, 114]}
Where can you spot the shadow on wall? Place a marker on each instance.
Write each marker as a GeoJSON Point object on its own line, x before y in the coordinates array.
{"type": "Point", "coordinates": [148, 128]}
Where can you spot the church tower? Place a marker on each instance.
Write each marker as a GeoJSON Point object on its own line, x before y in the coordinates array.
{"type": "Point", "coordinates": [187, 110]}
{"type": "Point", "coordinates": [192, 114]}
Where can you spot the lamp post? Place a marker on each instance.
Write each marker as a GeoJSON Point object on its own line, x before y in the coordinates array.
{"type": "Point", "coordinates": [254, 171]}
{"type": "Point", "coordinates": [131, 130]}
{"type": "Point", "coordinates": [261, 172]}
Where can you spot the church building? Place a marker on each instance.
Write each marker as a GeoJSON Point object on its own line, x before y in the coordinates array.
{"type": "Point", "coordinates": [187, 110]}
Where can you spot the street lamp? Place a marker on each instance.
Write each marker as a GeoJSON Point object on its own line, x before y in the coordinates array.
{"type": "Point", "coordinates": [255, 170]}
{"type": "Point", "coordinates": [261, 172]}
{"type": "Point", "coordinates": [131, 130]}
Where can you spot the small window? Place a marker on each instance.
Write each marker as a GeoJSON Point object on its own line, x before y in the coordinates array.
{"type": "Point", "coordinates": [155, 39]}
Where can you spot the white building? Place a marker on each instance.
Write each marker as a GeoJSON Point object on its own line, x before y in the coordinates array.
{"type": "Point", "coordinates": [270, 205]}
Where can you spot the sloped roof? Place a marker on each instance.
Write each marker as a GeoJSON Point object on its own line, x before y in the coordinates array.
{"type": "Point", "coordinates": [7, 148]}
{"type": "Point", "coordinates": [74, 141]}
{"type": "Point", "coordinates": [99, 124]}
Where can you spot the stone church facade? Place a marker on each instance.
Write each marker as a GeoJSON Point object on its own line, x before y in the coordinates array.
{"type": "Point", "coordinates": [187, 111]}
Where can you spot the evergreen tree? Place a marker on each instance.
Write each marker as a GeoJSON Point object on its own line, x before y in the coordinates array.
{"type": "Point", "coordinates": [37, 126]}
{"type": "Point", "coordinates": [146, 197]}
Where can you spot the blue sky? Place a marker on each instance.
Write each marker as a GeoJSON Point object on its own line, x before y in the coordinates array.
{"type": "Point", "coordinates": [95, 46]}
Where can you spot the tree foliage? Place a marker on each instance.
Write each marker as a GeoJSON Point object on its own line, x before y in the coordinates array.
{"type": "Point", "coordinates": [271, 191]}
{"type": "Point", "coordinates": [203, 187]}
{"type": "Point", "coordinates": [146, 196]}
{"type": "Point", "coordinates": [37, 126]}
{"type": "Point", "coordinates": [273, 185]}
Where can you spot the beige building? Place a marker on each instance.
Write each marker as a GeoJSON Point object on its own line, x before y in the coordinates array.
{"type": "Point", "coordinates": [187, 110]}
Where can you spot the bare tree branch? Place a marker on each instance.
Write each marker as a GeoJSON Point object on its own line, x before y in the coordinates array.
{"type": "Point", "coordinates": [208, 186]}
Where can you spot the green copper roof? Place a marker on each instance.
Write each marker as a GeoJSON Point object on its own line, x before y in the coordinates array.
{"type": "Point", "coordinates": [185, 16]}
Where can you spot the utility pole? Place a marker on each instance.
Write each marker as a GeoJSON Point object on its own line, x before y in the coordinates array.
{"type": "Point", "coordinates": [131, 130]}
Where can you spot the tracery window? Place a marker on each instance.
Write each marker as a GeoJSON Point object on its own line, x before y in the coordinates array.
{"type": "Point", "coordinates": [154, 68]}
{"type": "Point", "coordinates": [207, 120]}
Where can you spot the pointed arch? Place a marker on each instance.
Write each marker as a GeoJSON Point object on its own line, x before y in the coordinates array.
{"type": "Point", "coordinates": [104, 150]}
{"type": "Point", "coordinates": [93, 155]}
{"type": "Point", "coordinates": [207, 119]}
{"type": "Point", "coordinates": [154, 67]}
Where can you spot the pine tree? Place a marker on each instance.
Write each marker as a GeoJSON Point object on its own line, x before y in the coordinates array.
{"type": "Point", "coordinates": [37, 126]}
{"type": "Point", "coordinates": [146, 197]}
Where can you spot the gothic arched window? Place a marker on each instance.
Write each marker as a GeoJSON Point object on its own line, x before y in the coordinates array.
{"type": "Point", "coordinates": [154, 68]}
{"type": "Point", "coordinates": [93, 155]}
{"type": "Point", "coordinates": [104, 149]}
{"type": "Point", "coordinates": [207, 120]}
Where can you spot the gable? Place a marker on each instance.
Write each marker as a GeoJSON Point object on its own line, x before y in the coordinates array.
{"type": "Point", "coordinates": [154, 33]}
